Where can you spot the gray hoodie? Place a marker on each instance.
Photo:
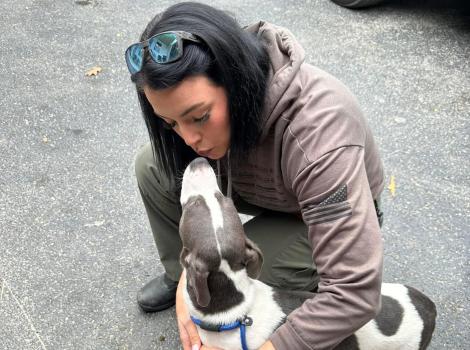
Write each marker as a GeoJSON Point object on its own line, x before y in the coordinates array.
{"type": "Point", "coordinates": [317, 157]}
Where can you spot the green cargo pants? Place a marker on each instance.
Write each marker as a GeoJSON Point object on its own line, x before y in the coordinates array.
{"type": "Point", "coordinates": [281, 237]}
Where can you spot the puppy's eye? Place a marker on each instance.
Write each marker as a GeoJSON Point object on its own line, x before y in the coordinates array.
{"type": "Point", "coordinates": [239, 265]}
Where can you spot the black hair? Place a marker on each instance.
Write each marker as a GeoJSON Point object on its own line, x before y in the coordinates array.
{"type": "Point", "coordinates": [228, 55]}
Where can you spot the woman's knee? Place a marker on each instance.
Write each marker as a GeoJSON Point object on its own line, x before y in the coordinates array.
{"type": "Point", "coordinates": [150, 177]}
{"type": "Point", "coordinates": [142, 163]}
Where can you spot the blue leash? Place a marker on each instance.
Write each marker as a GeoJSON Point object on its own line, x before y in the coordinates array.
{"type": "Point", "coordinates": [242, 324]}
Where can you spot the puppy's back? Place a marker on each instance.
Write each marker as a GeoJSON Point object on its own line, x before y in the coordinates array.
{"type": "Point", "coordinates": [289, 300]}
{"type": "Point", "coordinates": [406, 316]}
{"type": "Point", "coordinates": [428, 313]}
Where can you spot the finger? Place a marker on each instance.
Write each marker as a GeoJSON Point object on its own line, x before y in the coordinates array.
{"type": "Point", "coordinates": [184, 337]}
{"type": "Point", "coordinates": [209, 348]}
{"type": "Point", "coordinates": [193, 335]}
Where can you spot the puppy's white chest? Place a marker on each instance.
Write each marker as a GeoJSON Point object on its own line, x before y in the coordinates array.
{"type": "Point", "coordinates": [232, 340]}
{"type": "Point", "coordinates": [227, 340]}
{"type": "Point", "coordinates": [266, 315]}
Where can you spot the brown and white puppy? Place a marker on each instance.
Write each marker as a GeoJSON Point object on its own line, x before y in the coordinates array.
{"type": "Point", "coordinates": [222, 265]}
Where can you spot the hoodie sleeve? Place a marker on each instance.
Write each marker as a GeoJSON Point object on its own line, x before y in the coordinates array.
{"type": "Point", "coordinates": [323, 162]}
{"type": "Point", "coordinates": [338, 208]}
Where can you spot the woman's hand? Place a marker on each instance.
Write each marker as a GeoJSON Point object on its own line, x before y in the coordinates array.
{"type": "Point", "coordinates": [187, 329]}
{"type": "Point", "coordinates": [267, 346]}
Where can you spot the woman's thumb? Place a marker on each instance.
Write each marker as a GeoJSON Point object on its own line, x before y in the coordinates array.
{"type": "Point", "coordinates": [193, 335]}
{"type": "Point", "coordinates": [194, 338]}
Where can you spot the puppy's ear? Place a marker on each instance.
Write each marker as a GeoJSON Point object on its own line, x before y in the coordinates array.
{"type": "Point", "coordinates": [184, 257]}
{"type": "Point", "coordinates": [197, 273]}
{"type": "Point", "coordinates": [253, 259]}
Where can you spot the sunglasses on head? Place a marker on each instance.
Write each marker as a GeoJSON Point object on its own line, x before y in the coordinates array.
{"type": "Point", "coordinates": [163, 47]}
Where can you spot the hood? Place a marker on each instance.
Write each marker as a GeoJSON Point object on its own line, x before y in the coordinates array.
{"type": "Point", "coordinates": [229, 176]}
{"type": "Point", "coordinates": [286, 56]}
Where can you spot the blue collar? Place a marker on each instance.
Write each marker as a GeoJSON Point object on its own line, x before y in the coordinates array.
{"type": "Point", "coordinates": [246, 321]}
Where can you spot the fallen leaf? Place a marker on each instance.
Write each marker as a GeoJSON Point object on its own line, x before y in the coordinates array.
{"type": "Point", "coordinates": [93, 71]}
{"type": "Point", "coordinates": [96, 223]}
{"type": "Point", "coordinates": [392, 186]}
{"type": "Point", "coordinates": [83, 2]}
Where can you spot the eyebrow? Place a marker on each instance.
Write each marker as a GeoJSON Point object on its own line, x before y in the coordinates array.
{"type": "Point", "coordinates": [192, 108]}
{"type": "Point", "coordinates": [186, 112]}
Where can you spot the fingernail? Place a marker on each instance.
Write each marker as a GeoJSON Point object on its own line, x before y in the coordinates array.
{"type": "Point", "coordinates": [195, 347]}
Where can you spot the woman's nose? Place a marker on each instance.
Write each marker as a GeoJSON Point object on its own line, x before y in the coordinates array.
{"type": "Point", "coordinates": [191, 137]}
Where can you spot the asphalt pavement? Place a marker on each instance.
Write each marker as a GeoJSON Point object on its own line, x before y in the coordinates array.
{"type": "Point", "coordinates": [75, 244]}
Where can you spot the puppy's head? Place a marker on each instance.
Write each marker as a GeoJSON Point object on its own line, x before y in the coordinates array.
{"type": "Point", "coordinates": [212, 233]}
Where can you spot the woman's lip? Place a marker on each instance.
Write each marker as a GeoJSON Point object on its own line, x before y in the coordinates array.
{"type": "Point", "coordinates": [205, 152]}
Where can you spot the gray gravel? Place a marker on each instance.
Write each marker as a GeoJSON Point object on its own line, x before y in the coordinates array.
{"type": "Point", "coordinates": [74, 239]}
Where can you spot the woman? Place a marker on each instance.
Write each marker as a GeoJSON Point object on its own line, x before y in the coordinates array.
{"type": "Point", "coordinates": [292, 143]}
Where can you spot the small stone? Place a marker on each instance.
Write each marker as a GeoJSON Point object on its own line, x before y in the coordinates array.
{"type": "Point", "coordinates": [400, 120]}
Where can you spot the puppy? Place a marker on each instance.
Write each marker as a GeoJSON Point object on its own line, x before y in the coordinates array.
{"type": "Point", "coordinates": [234, 311]}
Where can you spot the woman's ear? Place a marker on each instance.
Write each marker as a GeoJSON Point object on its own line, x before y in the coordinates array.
{"type": "Point", "coordinates": [253, 259]}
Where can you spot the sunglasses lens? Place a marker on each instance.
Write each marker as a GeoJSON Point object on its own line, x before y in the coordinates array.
{"type": "Point", "coordinates": [134, 58]}
{"type": "Point", "coordinates": [165, 48]}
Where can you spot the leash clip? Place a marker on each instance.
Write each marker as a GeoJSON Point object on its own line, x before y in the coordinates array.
{"type": "Point", "coordinates": [247, 321]}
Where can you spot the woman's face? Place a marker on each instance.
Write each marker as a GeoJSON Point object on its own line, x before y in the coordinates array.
{"type": "Point", "coordinates": [197, 111]}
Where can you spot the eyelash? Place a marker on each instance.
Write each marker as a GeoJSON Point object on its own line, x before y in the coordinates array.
{"type": "Point", "coordinates": [169, 126]}
{"type": "Point", "coordinates": [201, 120]}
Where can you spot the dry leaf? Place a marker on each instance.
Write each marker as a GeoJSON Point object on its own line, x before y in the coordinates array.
{"type": "Point", "coordinates": [96, 223]}
{"type": "Point", "coordinates": [392, 186]}
{"type": "Point", "coordinates": [83, 2]}
{"type": "Point", "coordinates": [93, 71]}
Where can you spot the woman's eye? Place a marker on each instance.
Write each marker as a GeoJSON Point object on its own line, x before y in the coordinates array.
{"type": "Point", "coordinates": [201, 120]}
{"type": "Point", "coordinates": [170, 125]}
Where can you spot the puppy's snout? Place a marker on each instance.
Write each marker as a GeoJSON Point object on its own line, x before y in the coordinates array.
{"type": "Point", "coordinates": [199, 163]}
{"type": "Point", "coordinates": [198, 179]}
{"type": "Point", "coordinates": [199, 171]}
